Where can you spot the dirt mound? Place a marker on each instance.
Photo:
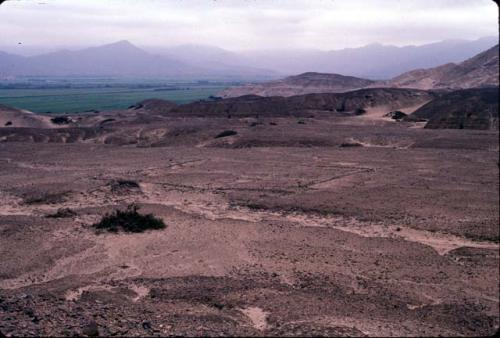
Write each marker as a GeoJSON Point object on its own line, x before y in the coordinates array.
{"type": "Point", "coordinates": [462, 109]}
{"type": "Point", "coordinates": [154, 105]}
{"type": "Point", "coordinates": [48, 135]}
{"type": "Point", "coordinates": [13, 117]}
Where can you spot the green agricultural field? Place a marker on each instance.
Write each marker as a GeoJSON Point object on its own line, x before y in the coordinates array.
{"type": "Point", "coordinates": [71, 100]}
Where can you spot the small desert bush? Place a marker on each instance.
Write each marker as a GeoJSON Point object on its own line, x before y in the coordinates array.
{"type": "Point", "coordinates": [359, 111]}
{"type": "Point", "coordinates": [127, 183]}
{"type": "Point", "coordinates": [122, 186]}
{"type": "Point", "coordinates": [129, 221]}
{"type": "Point", "coordinates": [61, 120]}
{"type": "Point", "coordinates": [226, 133]}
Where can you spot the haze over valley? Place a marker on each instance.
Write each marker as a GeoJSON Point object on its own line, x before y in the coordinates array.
{"type": "Point", "coordinates": [124, 59]}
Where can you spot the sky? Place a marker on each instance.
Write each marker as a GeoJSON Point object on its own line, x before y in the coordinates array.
{"type": "Point", "coordinates": [243, 24]}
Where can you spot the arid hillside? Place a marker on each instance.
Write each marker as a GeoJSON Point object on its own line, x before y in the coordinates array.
{"type": "Point", "coordinates": [147, 123]}
{"type": "Point", "coordinates": [300, 84]}
{"type": "Point", "coordinates": [475, 108]}
{"type": "Point", "coordinates": [352, 102]}
{"type": "Point", "coordinates": [478, 71]}
{"type": "Point", "coordinates": [13, 117]}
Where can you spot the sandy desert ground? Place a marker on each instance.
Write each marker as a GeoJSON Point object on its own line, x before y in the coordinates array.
{"type": "Point", "coordinates": [336, 226]}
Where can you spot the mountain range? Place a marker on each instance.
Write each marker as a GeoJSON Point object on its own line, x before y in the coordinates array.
{"type": "Point", "coordinates": [120, 59]}
{"type": "Point", "coordinates": [481, 70]}
{"type": "Point", "coordinates": [123, 59]}
{"type": "Point", "coordinates": [478, 71]}
{"type": "Point", "coordinates": [374, 61]}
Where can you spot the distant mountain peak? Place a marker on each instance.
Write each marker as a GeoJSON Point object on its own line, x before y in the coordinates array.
{"type": "Point", "coordinates": [318, 75]}
{"type": "Point", "coordinates": [121, 43]}
{"type": "Point", "coordinates": [121, 46]}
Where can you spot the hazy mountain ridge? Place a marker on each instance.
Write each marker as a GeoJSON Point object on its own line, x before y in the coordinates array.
{"type": "Point", "coordinates": [374, 61]}
{"type": "Point", "coordinates": [120, 59]}
{"type": "Point", "coordinates": [481, 70]}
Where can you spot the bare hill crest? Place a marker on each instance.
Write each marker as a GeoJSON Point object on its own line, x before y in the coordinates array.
{"type": "Point", "coordinates": [305, 83]}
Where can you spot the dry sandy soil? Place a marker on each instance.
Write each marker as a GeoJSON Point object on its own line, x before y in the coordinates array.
{"type": "Point", "coordinates": [336, 226]}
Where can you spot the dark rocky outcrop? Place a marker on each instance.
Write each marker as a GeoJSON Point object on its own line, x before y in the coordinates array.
{"type": "Point", "coordinates": [61, 120]}
{"type": "Point", "coordinates": [475, 108]}
{"type": "Point", "coordinates": [354, 103]}
{"type": "Point", "coordinates": [396, 115]}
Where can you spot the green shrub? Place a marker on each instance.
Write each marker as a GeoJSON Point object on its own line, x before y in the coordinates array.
{"type": "Point", "coordinates": [129, 221]}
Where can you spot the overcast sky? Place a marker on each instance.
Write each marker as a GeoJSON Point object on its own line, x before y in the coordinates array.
{"type": "Point", "coordinates": [244, 24]}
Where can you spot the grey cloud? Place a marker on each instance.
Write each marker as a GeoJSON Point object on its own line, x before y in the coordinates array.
{"type": "Point", "coordinates": [246, 24]}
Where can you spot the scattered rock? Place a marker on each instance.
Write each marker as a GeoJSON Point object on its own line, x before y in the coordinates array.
{"type": "Point", "coordinates": [106, 121]}
{"type": "Point", "coordinates": [123, 185]}
{"type": "Point", "coordinates": [45, 197]}
{"type": "Point", "coordinates": [226, 133]}
{"type": "Point", "coordinates": [359, 111]}
{"type": "Point", "coordinates": [396, 115]}
{"type": "Point", "coordinates": [91, 329]}
{"type": "Point", "coordinates": [62, 213]}
{"type": "Point", "coordinates": [61, 120]}
{"type": "Point", "coordinates": [350, 144]}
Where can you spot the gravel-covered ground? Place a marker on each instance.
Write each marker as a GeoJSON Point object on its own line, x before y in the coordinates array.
{"type": "Point", "coordinates": [311, 226]}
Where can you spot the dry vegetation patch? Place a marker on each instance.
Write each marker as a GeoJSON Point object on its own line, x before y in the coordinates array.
{"type": "Point", "coordinates": [129, 220]}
